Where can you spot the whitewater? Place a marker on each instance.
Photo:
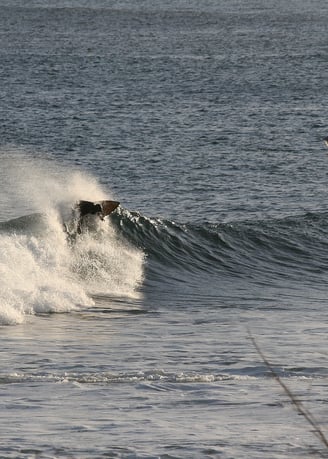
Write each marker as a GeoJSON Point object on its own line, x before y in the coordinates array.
{"type": "Point", "coordinates": [41, 270]}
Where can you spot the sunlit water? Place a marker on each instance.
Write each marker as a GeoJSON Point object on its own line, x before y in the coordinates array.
{"type": "Point", "coordinates": [206, 121]}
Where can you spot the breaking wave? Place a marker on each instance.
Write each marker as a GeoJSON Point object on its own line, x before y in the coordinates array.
{"type": "Point", "coordinates": [265, 252]}
{"type": "Point", "coordinates": [41, 271]}
{"type": "Point", "coordinates": [130, 254]}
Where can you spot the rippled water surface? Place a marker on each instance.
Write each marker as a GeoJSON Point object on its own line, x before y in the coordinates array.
{"type": "Point", "coordinates": [206, 121]}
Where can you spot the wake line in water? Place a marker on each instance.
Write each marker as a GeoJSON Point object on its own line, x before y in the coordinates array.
{"type": "Point", "coordinates": [149, 377]}
{"type": "Point", "coordinates": [156, 376]}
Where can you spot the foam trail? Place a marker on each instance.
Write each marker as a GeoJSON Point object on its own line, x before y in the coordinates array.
{"type": "Point", "coordinates": [43, 273]}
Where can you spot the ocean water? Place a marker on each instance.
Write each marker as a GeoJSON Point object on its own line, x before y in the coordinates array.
{"type": "Point", "coordinates": [206, 121]}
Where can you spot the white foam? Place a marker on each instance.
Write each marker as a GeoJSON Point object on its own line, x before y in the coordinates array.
{"type": "Point", "coordinates": [108, 263]}
{"type": "Point", "coordinates": [44, 274]}
{"type": "Point", "coordinates": [35, 278]}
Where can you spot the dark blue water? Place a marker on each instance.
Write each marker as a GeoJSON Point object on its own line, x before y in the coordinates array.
{"type": "Point", "coordinates": [206, 121]}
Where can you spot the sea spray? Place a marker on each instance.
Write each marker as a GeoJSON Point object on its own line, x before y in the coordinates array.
{"type": "Point", "coordinates": [39, 184]}
{"type": "Point", "coordinates": [44, 271]}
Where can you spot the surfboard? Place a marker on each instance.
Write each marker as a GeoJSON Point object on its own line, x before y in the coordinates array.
{"type": "Point", "coordinates": [108, 207]}
{"type": "Point", "coordinates": [103, 208]}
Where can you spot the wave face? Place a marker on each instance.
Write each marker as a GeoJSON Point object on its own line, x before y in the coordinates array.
{"type": "Point", "coordinates": [223, 258]}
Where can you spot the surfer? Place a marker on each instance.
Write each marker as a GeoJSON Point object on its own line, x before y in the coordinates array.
{"type": "Point", "coordinates": [87, 209]}
{"type": "Point", "coordinates": [326, 141]}
{"type": "Point", "coordinates": [86, 214]}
